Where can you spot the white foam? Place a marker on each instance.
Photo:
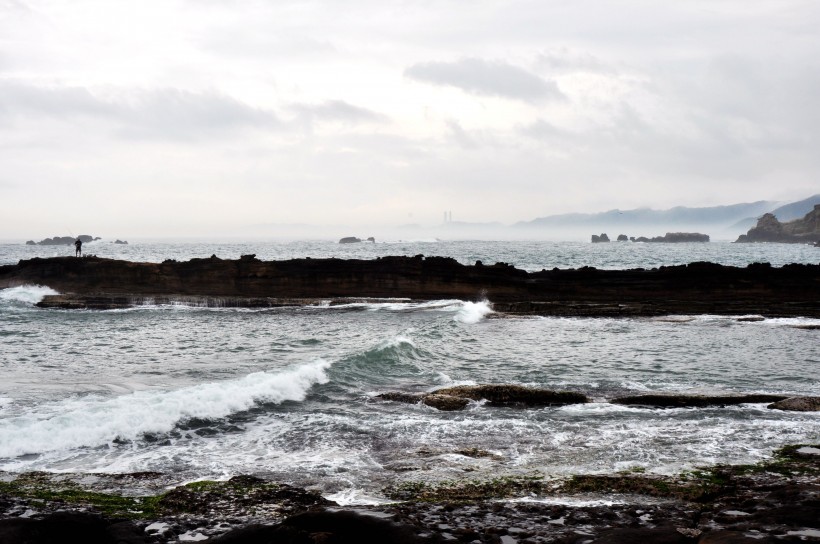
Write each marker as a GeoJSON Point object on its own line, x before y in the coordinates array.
{"type": "Point", "coordinates": [355, 497]}
{"type": "Point", "coordinates": [473, 312]}
{"type": "Point", "coordinates": [29, 294]}
{"type": "Point", "coordinates": [92, 421]}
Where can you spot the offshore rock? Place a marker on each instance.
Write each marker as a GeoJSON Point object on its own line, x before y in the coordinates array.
{"type": "Point", "coordinates": [799, 231]}
{"type": "Point", "coordinates": [696, 288]}
{"type": "Point", "coordinates": [350, 240]}
{"type": "Point", "coordinates": [798, 404]}
{"type": "Point", "coordinates": [596, 239]}
{"type": "Point", "coordinates": [63, 240]}
{"type": "Point", "coordinates": [694, 401]}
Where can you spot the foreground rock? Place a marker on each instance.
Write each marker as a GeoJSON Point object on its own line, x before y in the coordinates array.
{"type": "Point", "coordinates": [774, 501]}
{"type": "Point", "coordinates": [457, 398]}
{"type": "Point", "coordinates": [696, 288]}
{"type": "Point", "coordinates": [799, 231]}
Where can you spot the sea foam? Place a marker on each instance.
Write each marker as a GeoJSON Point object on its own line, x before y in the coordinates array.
{"type": "Point", "coordinates": [92, 421]}
{"type": "Point", "coordinates": [473, 312]}
{"type": "Point", "coordinates": [27, 294]}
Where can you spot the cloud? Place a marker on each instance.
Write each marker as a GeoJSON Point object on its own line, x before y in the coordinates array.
{"type": "Point", "coordinates": [153, 114]}
{"type": "Point", "coordinates": [339, 111]}
{"type": "Point", "coordinates": [487, 78]}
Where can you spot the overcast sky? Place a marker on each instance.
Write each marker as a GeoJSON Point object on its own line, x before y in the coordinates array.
{"type": "Point", "coordinates": [173, 117]}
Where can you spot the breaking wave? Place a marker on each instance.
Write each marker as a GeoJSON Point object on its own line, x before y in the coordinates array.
{"type": "Point", "coordinates": [92, 421]}
{"type": "Point", "coordinates": [473, 312]}
{"type": "Point", "coordinates": [26, 294]}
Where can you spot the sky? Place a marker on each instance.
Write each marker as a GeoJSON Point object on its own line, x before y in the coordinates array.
{"type": "Point", "coordinates": [205, 117]}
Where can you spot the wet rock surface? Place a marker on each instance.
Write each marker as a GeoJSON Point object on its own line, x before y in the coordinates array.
{"type": "Point", "coordinates": [694, 401]}
{"type": "Point", "coordinates": [457, 398]}
{"type": "Point", "coordinates": [696, 288]}
{"type": "Point", "coordinates": [798, 404]}
{"type": "Point", "coordinates": [775, 501]}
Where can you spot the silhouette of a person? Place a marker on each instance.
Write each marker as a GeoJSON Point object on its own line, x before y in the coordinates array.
{"type": "Point", "coordinates": [78, 246]}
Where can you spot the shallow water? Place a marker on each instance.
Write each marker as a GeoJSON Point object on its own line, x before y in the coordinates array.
{"type": "Point", "coordinates": [289, 393]}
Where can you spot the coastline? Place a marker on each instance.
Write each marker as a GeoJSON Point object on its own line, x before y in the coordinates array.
{"type": "Point", "coordinates": [772, 501]}
{"type": "Point", "coordinates": [696, 288]}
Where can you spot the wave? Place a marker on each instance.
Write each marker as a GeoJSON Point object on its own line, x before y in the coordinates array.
{"type": "Point", "coordinates": [91, 421]}
{"type": "Point", "coordinates": [473, 312]}
{"type": "Point", "coordinates": [26, 294]}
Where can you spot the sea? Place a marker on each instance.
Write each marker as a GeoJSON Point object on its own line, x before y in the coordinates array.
{"type": "Point", "coordinates": [290, 394]}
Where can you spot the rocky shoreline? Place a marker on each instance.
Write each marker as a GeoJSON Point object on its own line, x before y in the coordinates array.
{"type": "Point", "coordinates": [777, 500]}
{"type": "Point", "coordinates": [697, 288]}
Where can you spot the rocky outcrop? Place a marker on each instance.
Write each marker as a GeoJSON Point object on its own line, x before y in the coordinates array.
{"type": "Point", "coordinates": [696, 288]}
{"type": "Point", "coordinates": [797, 404]}
{"type": "Point", "coordinates": [772, 501]}
{"type": "Point", "coordinates": [668, 238]}
{"type": "Point", "coordinates": [458, 397]}
{"type": "Point", "coordinates": [62, 240]}
{"type": "Point", "coordinates": [350, 240]}
{"type": "Point", "coordinates": [694, 401]}
{"type": "Point", "coordinates": [799, 231]}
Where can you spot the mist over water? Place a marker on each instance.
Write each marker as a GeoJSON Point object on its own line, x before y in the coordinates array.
{"type": "Point", "coordinates": [289, 393]}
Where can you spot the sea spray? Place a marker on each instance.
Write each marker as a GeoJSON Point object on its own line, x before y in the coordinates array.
{"type": "Point", "coordinates": [92, 421]}
{"type": "Point", "coordinates": [26, 294]}
{"type": "Point", "coordinates": [473, 312]}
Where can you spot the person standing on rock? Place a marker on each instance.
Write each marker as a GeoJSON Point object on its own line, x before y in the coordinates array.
{"type": "Point", "coordinates": [78, 246]}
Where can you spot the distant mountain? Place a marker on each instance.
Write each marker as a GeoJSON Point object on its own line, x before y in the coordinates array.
{"type": "Point", "coordinates": [796, 210]}
{"type": "Point", "coordinates": [787, 212]}
{"type": "Point", "coordinates": [678, 216]}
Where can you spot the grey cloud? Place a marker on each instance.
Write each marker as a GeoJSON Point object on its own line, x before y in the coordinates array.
{"type": "Point", "coordinates": [543, 130]}
{"type": "Point", "coordinates": [488, 78]}
{"type": "Point", "coordinates": [158, 114]}
{"type": "Point", "coordinates": [564, 61]}
{"type": "Point", "coordinates": [339, 111]}
{"type": "Point", "coordinates": [461, 137]}
{"type": "Point", "coordinates": [172, 113]}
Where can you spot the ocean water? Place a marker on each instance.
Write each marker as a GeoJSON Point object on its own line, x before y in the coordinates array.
{"type": "Point", "coordinates": [289, 393]}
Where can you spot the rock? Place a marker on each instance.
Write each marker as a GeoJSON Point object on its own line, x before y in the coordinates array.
{"type": "Point", "coordinates": [769, 229]}
{"type": "Point", "coordinates": [64, 240]}
{"type": "Point", "coordinates": [69, 527]}
{"type": "Point", "coordinates": [599, 239]}
{"type": "Point", "coordinates": [457, 398]}
{"type": "Point", "coordinates": [681, 237]}
{"type": "Point", "coordinates": [31, 243]}
{"type": "Point", "coordinates": [398, 396]}
{"type": "Point", "coordinates": [697, 288]}
{"type": "Point", "coordinates": [350, 240]}
{"type": "Point", "coordinates": [118, 241]}
{"type": "Point", "coordinates": [694, 401]}
{"type": "Point", "coordinates": [507, 395]}
{"type": "Point", "coordinates": [798, 404]}
{"type": "Point", "coordinates": [623, 238]}
{"type": "Point", "coordinates": [657, 535]}
{"type": "Point", "coordinates": [371, 239]}
{"type": "Point", "coordinates": [445, 402]}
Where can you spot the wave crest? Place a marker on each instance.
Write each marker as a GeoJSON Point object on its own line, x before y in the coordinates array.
{"type": "Point", "coordinates": [95, 422]}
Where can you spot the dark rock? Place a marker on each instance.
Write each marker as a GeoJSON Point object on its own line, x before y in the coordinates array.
{"type": "Point", "coordinates": [769, 229]}
{"type": "Point", "coordinates": [445, 402]}
{"type": "Point", "coordinates": [694, 401]}
{"type": "Point", "coordinates": [623, 238]}
{"type": "Point", "coordinates": [798, 404]}
{"type": "Point", "coordinates": [118, 241]}
{"type": "Point", "coordinates": [353, 527]}
{"type": "Point", "coordinates": [506, 395]}
{"type": "Point", "coordinates": [657, 535]}
{"type": "Point", "coordinates": [698, 288]}
{"type": "Point", "coordinates": [371, 239]}
{"type": "Point", "coordinates": [730, 537]}
{"type": "Point", "coordinates": [31, 243]}
{"type": "Point", "coordinates": [398, 396]}
{"type": "Point", "coordinates": [599, 239]}
{"type": "Point", "coordinates": [68, 527]}
{"type": "Point", "coordinates": [350, 240]}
